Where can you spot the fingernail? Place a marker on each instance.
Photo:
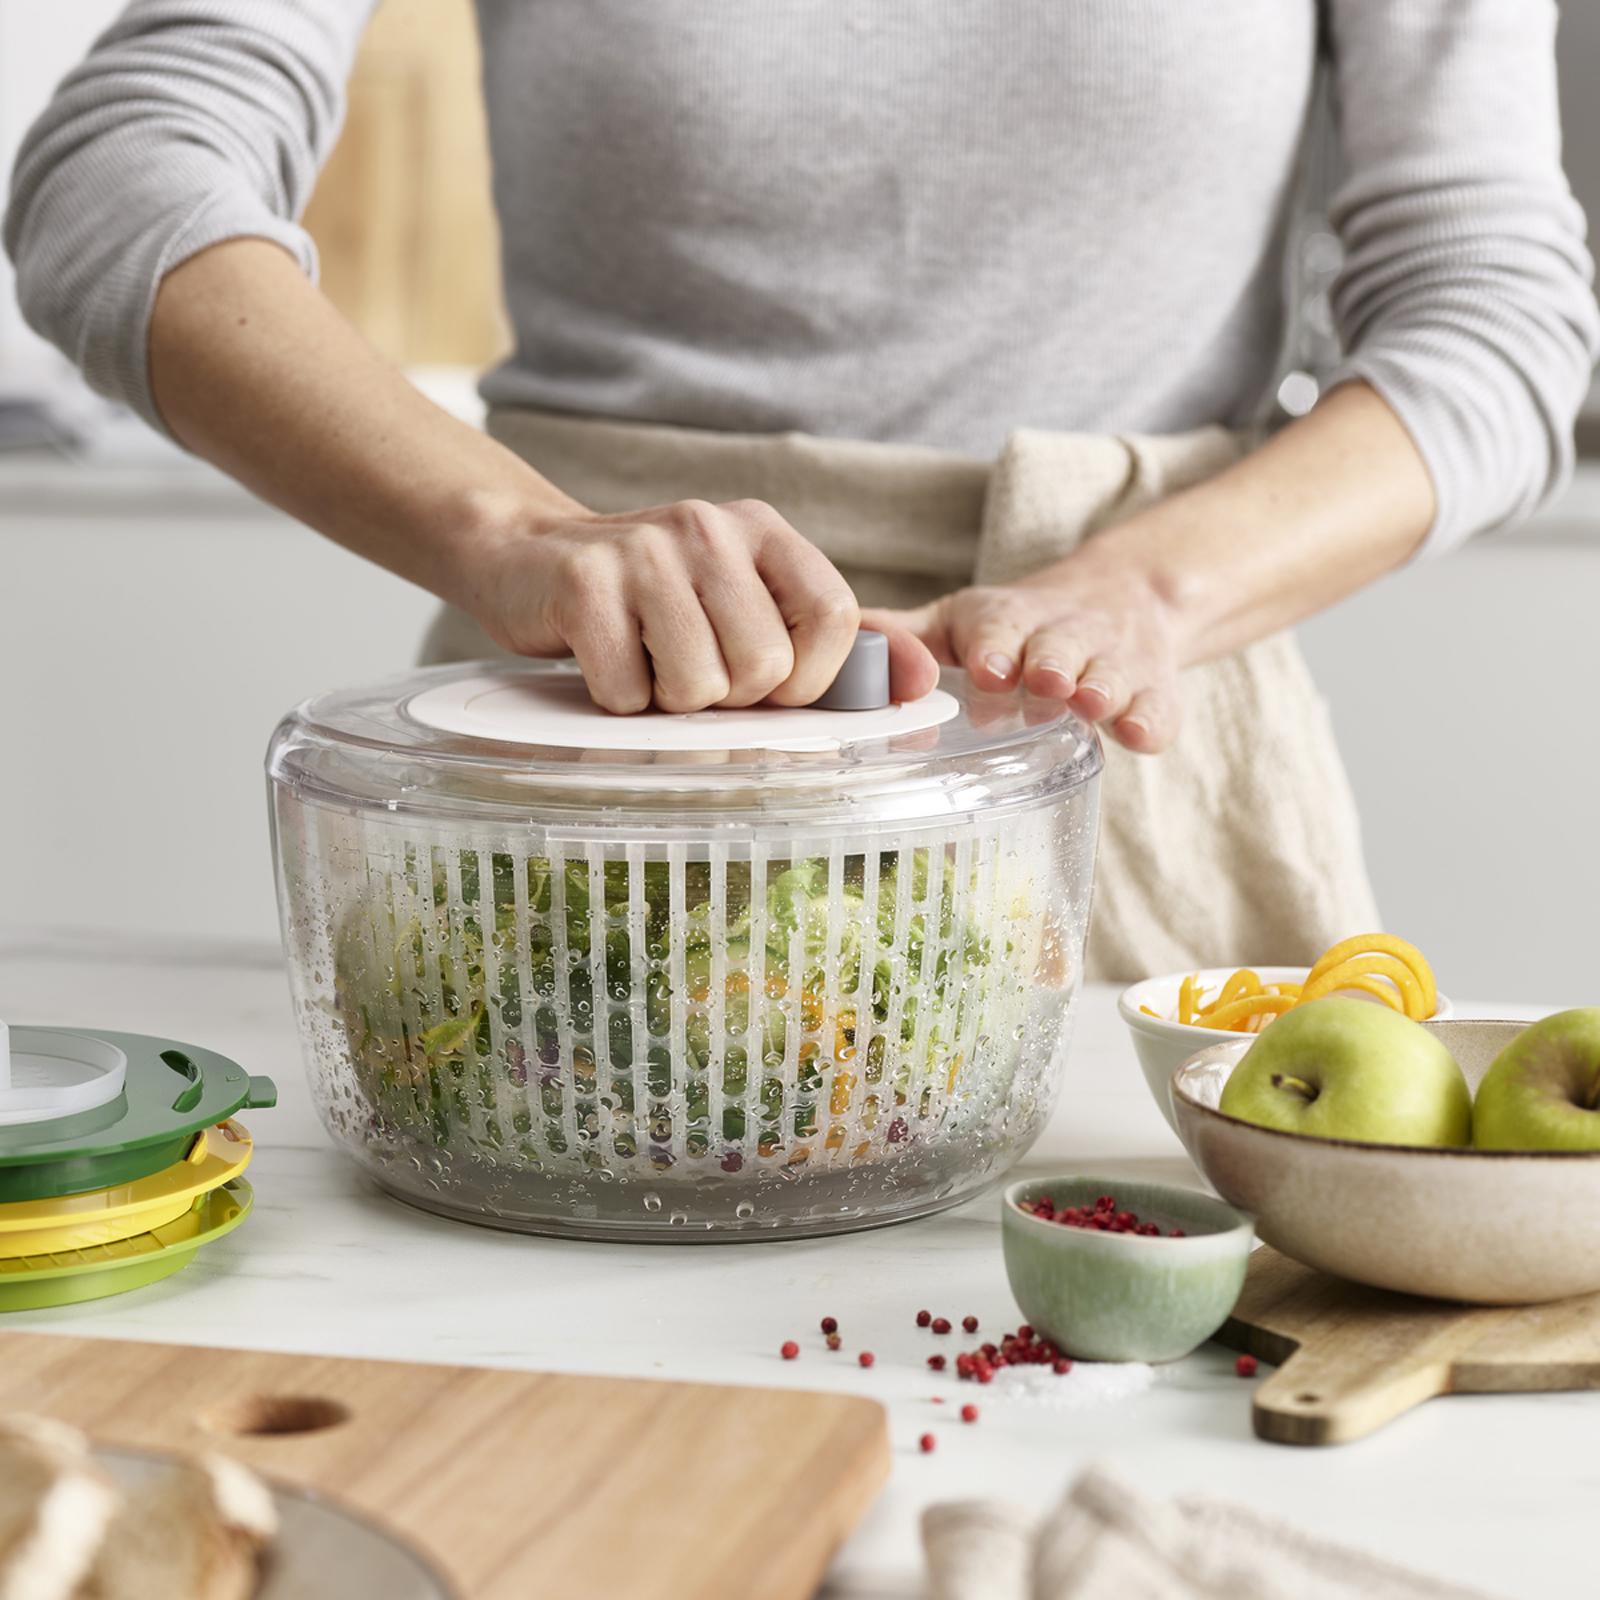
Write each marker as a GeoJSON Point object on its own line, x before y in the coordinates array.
{"type": "Point", "coordinates": [1094, 688]}
{"type": "Point", "coordinates": [1135, 725]}
{"type": "Point", "coordinates": [999, 666]}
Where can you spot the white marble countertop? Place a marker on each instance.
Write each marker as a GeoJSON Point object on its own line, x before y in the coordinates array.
{"type": "Point", "coordinates": [1494, 1490]}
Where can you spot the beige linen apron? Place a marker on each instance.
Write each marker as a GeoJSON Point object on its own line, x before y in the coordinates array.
{"type": "Point", "coordinates": [1239, 844]}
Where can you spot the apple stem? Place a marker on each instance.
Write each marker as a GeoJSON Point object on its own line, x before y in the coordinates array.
{"type": "Point", "coordinates": [1307, 1092]}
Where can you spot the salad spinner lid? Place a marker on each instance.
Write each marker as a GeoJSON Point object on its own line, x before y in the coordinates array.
{"type": "Point", "coordinates": [497, 737]}
{"type": "Point", "coordinates": [166, 1093]}
{"type": "Point", "coordinates": [46, 1073]}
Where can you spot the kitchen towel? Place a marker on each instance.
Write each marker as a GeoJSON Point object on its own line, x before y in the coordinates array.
{"type": "Point", "coordinates": [1239, 844]}
{"type": "Point", "coordinates": [1107, 1541]}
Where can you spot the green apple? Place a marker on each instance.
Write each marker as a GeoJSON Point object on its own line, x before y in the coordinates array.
{"type": "Point", "coordinates": [1351, 1069]}
{"type": "Point", "coordinates": [1542, 1091]}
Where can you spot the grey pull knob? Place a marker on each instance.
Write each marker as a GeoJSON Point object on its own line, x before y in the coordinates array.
{"type": "Point", "coordinates": [863, 680]}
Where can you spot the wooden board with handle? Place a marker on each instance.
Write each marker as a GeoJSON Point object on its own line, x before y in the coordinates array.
{"type": "Point", "coordinates": [1351, 1359]}
{"type": "Point", "coordinates": [515, 1484]}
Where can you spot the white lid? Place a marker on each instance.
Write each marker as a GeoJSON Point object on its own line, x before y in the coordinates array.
{"type": "Point", "coordinates": [45, 1073]}
{"type": "Point", "coordinates": [554, 711]}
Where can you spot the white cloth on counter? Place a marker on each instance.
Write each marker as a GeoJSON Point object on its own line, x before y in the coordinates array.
{"type": "Point", "coordinates": [1108, 1541]}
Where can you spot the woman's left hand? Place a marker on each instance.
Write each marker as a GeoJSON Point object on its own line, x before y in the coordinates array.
{"type": "Point", "coordinates": [1091, 629]}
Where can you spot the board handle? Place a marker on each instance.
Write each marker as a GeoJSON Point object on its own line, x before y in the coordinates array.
{"type": "Point", "coordinates": [1344, 1389]}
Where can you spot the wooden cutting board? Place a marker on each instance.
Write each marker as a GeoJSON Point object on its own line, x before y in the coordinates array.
{"type": "Point", "coordinates": [1351, 1359]}
{"type": "Point", "coordinates": [518, 1485]}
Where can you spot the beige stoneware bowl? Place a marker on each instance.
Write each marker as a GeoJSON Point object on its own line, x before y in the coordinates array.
{"type": "Point", "coordinates": [1163, 1046]}
{"type": "Point", "coordinates": [1490, 1227]}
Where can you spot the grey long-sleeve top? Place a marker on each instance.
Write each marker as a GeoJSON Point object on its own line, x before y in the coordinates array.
{"type": "Point", "coordinates": [895, 220]}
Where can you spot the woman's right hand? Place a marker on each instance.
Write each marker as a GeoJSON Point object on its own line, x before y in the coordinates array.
{"type": "Point", "coordinates": [681, 606]}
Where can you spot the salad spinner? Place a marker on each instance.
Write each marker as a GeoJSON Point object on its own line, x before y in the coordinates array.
{"type": "Point", "coordinates": [737, 974]}
{"type": "Point", "coordinates": [119, 1158]}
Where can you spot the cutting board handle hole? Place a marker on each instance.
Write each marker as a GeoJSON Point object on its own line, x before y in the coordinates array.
{"type": "Point", "coordinates": [275, 1415]}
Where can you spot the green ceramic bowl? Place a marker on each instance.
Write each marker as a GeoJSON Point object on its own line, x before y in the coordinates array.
{"type": "Point", "coordinates": [1123, 1297]}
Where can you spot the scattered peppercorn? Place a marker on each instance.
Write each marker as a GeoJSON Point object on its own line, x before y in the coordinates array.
{"type": "Point", "coordinates": [1246, 1366]}
{"type": "Point", "coordinates": [927, 1444]}
{"type": "Point", "coordinates": [834, 1341]}
{"type": "Point", "coordinates": [866, 1358]}
{"type": "Point", "coordinates": [941, 1324]}
{"type": "Point", "coordinates": [970, 1324]}
{"type": "Point", "coordinates": [969, 1413]}
{"type": "Point", "coordinates": [830, 1325]}
{"type": "Point", "coordinates": [1061, 1366]}
{"type": "Point", "coordinates": [924, 1318]}
{"type": "Point", "coordinates": [936, 1362]}
{"type": "Point", "coordinates": [789, 1350]}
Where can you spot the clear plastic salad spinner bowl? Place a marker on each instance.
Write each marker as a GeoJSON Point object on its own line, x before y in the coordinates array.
{"type": "Point", "coordinates": [741, 974]}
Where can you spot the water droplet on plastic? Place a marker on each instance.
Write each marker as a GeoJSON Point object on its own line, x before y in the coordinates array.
{"type": "Point", "coordinates": [652, 1202]}
{"type": "Point", "coordinates": [744, 1210]}
{"type": "Point", "coordinates": [678, 1218]}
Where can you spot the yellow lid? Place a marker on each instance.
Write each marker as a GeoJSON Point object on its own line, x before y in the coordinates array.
{"type": "Point", "coordinates": [81, 1221]}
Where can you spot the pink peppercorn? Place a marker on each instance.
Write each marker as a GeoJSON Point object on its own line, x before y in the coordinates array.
{"type": "Point", "coordinates": [927, 1444]}
{"type": "Point", "coordinates": [1061, 1366]}
{"type": "Point", "coordinates": [936, 1362]}
{"type": "Point", "coordinates": [789, 1350]}
{"type": "Point", "coordinates": [830, 1325]}
{"type": "Point", "coordinates": [866, 1358]}
{"type": "Point", "coordinates": [970, 1324]}
{"type": "Point", "coordinates": [1246, 1366]}
{"type": "Point", "coordinates": [969, 1413]}
{"type": "Point", "coordinates": [941, 1324]}
{"type": "Point", "coordinates": [924, 1318]}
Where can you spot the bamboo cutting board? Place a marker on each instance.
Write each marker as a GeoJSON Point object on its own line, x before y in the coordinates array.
{"type": "Point", "coordinates": [1351, 1359]}
{"type": "Point", "coordinates": [517, 1485]}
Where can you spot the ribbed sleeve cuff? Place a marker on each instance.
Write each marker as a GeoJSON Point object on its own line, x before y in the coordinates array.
{"type": "Point", "coordinates": [116, 349]}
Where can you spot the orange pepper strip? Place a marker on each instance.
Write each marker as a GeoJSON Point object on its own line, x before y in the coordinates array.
{"type": "Point", "coordinates": [1150, 1011]}
{"type": "Point", "coordinates": [1186, 1002]}
{"type": "Point", "coordinates": [1242, 983]}
{"type": "Point", "coordinates": [1381, 988]}
{"type": "Point", "coordinates": [1383, 944]}
{"type": "Point", "coordinates": [1233, 1015]}
{"type": "Point", "coordinates": [1405, 980]}
{"type": "Point", "coordinates": [1284, 987]}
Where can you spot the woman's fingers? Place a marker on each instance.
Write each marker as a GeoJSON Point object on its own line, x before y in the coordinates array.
{"type": "Point", "coordinates": [929, 625]}
{"type": "Point", "coordinates": [603, 635]}
{"type": "Point", "coordinates": [1103, 690]}
{"type": "Point", "coordinates": [685, 657]}
{"type": "Point", "coordinates": [913, 672]}
{"type": "Point", "coordinates": [754, 642]}
{"type": "Point", "coordinates": [988, 629]}
{"type": "Point", "coordinates": [1150, 723]}
{"type": "Point", "coordinates": [818, 607]}
{"type": "Point", "coordinates": [1053, 661]}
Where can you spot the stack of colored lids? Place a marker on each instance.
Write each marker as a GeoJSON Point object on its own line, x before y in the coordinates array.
{"type": "Point", "coordinates": [119, 1158]}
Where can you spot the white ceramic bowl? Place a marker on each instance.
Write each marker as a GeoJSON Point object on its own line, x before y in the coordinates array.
{"type": "Point", "coordinates": [1163, 1046]}
{"type": "Point", "coordinates": [1490, 1227]}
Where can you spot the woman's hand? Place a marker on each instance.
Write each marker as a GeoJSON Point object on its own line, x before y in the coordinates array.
{"type": "Point", "coordinates": [682, 606]}
{"type": "Point", "coordinates": [1090, 629]}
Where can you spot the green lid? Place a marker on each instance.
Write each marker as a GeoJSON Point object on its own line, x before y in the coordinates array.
{"type": "Point", "coordinates": [33, 1283]}
{"type": "Point", "coordinates": [169, 1093]}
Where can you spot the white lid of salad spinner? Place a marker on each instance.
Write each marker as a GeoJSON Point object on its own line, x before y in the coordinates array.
{"type": "Point", "coordinates": [47, 1073]}
{"type": "Point", "coordinates": [554, 710]}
